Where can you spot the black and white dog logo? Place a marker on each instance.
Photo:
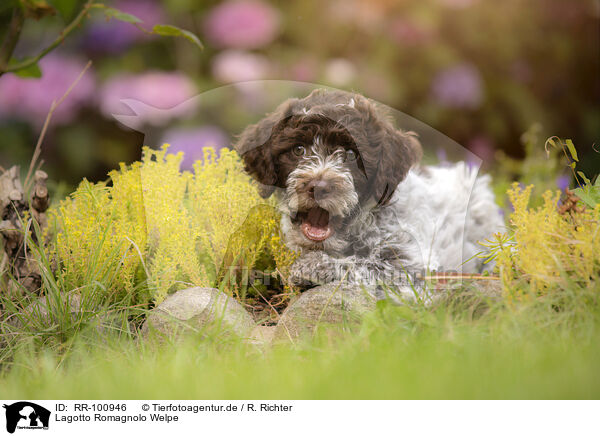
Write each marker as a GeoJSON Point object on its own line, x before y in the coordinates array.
{"type": "Point", "coordinates": [26, 415]}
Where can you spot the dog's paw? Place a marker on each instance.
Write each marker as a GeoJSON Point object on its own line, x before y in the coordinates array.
{"type": "Point", "coordinates": [300, 277]}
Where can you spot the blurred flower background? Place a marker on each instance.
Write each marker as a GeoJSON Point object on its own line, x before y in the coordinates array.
{"type": "Point", "coordinates": [480, 72]}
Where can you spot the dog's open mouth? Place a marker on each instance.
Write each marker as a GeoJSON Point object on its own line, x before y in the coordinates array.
{"type": "Point", "coordinates": [315, 224]}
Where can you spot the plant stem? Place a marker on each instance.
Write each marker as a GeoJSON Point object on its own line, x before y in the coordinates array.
{"type": "Point", "coordinates": [63, 34]}
{"type": "Point", "coordinates": [12, 37]}
{"type": "Point", "coordinates": [53, 106]}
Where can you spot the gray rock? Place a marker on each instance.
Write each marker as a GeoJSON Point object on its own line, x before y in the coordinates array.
{"type": "Point", "coordinates": [333, 304]}
{"type": "Point", "coordinates": [195, 310]}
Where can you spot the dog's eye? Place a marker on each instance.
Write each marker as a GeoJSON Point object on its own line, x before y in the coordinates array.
{"type": "Point", "coordinates": [350, 156]}
{"type": "Point", "coordinates": [299, 150]}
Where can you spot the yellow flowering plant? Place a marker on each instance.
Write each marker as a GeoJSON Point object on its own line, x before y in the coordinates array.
{"type": "Point", "coordinates": [153, 229]}
{"type": "Point", "coordinates": [550, 249]}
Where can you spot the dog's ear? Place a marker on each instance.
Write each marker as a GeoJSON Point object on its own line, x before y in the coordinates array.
{"type": "Point", "coordinates": [258, 162]}
{"type": "Point", "coordinates": [399, 151]}
{"type": "Point", "coordinates": [255, 147]}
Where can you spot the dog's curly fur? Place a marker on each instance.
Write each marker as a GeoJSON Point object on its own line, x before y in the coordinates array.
{"type": "Point", "coordinates": [354, 201]}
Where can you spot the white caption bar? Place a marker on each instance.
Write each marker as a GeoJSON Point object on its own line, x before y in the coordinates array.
{"type": "Point", "coordinates": [23, 417]}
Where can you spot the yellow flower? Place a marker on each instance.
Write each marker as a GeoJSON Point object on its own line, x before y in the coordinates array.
{"type": "Point", "coordinates": [167, 229]}
{"type": "Point", "coordinates": [549, 248]}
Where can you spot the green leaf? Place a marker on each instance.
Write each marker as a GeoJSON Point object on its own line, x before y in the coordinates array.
{"type": "Point", "coordinates": [572, 150]}
{"type": "Point", "coordinates": [32, 71]}
{"type": "Point", "coordinates": [121, 16]}
{"type": "Point", "coordinates": [583, 177]}
{"type": "Point", "coordinates": [168, 30]}
{"type": "Point", "coordinates": [67, 8]}
{"type": "Point", "coordinates": [590, 196]}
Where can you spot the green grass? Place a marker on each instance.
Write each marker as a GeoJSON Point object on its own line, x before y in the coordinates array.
{"type": "Point", "coordinates": [533, 351]}
{"type": "Point", "coordinates": [545, 347]}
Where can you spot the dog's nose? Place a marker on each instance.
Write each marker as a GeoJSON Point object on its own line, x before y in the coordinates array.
{"type": "Point", "coordinates": [318, 189]}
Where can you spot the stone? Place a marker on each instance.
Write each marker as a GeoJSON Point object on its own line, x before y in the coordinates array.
{"type": "Point", "coordinates": [333, 304]}
{"type": "Point", "coordinates": [195, 309]}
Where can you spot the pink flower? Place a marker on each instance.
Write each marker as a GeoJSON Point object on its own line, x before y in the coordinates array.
{"type": "Point", "coordinates": [237, 66]}
{"type": "Point", "coordinates": [458, 87]}
{"type": "Point", "coordinates": [30, 98]}
{"type": "Point", "coordinates": [242, 24]}
{"type": "Point", "coordinates": [154, 97]}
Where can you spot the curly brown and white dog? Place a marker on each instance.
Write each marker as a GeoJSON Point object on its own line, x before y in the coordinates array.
{"type": "Point", "coordinates": [355, 203]}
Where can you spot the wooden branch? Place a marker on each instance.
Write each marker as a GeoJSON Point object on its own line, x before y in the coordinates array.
{"type": "Point", "coordinates": [13, 206]}
{"type": "Point", "coordinates": [53, 106]}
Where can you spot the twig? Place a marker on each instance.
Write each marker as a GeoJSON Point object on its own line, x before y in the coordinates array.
{"type": "Point", "coordinates": [53, 106]}
{"type": "Point", "coordinates": [39, 165]}
{"type": "Point", "coordinates": [449, 276]}
{"type": "Point", "coordinates": [267, 301]}
{"type": "Point", "coordinates": [63, 34]}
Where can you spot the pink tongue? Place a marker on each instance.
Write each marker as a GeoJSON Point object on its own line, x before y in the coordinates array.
{"type": "Point", "coordinates": [316, 225]}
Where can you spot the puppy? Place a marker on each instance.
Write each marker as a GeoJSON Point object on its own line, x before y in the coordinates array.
{"type": "Point", "coordinates": [355, 203]}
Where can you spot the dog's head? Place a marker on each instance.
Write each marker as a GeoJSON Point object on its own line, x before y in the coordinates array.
{"type": "Point", "coordinates": [330, 156]}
